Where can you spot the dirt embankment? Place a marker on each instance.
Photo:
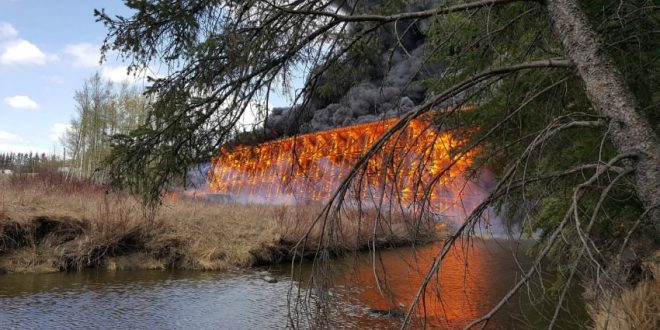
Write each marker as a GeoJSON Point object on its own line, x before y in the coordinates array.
{"type": "Point", "coordinates": [48, 224]}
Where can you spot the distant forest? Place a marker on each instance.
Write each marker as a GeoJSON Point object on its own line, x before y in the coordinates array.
{"type": "Point", "coordinates": [29, 162]}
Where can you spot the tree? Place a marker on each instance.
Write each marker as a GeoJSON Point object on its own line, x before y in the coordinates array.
{"type": "Point", "coordinates": [101, 111]}
{"type": "Point", "coordinates": [590, 67]}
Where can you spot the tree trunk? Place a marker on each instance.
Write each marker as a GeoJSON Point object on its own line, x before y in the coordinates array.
{"type": "Point", "coordinates": [629, 130]}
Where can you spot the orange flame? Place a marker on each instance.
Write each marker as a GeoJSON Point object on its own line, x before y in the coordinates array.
{"type": "Point", "coordinates": [171, 196]}
{"type": "Point", "coordinates": [412, 166]}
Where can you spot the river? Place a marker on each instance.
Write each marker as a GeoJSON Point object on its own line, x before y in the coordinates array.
{"type": "Point", "coordinates": [474, 277]}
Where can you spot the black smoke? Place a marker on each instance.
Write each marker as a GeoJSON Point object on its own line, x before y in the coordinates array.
{"type": "Point", "coordinates": [388, 83]}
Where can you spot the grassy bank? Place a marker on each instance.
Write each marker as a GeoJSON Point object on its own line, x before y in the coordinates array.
{"type": "Point", "coordinates": [50, 224]}
{"type": "Point", "coordinates": [634, 308]}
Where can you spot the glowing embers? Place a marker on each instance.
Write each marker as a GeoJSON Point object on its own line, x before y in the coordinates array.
{"type": "Point", "coordinates": [414, 165]}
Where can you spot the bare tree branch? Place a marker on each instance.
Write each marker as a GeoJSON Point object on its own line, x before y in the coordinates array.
{"type": "Point", "coordinates": [397, 17]}
{"type": "Point", "coordinates": [549, 242]}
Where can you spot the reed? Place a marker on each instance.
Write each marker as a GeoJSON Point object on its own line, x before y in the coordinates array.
{"type": "Point", "coordinates": [637, 308]}
{"type": "Point", "coordinates": [50, 223]}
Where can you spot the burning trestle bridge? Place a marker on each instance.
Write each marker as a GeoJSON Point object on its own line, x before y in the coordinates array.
{"type": "Point", "coordinates": [413, 166]}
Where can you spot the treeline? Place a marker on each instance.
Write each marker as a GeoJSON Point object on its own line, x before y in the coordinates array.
{"type": "Point", "coordinates": [103, 109]}
{"type": "Point", "coordinates": [29, 162]}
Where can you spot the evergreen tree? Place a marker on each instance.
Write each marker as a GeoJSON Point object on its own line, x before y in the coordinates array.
{"type": "Point", "coordinates": [567, 93]}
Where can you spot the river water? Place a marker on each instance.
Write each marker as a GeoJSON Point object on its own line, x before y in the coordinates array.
{"type": "Point", "coordinates": [473, 278]}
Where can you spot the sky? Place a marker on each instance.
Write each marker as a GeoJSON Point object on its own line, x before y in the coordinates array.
{"type": "Point", "coordinates": [47, 50]}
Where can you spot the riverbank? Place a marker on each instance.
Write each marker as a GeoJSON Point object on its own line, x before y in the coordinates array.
{"type": "Point", "coordinates": [243, 300]}
{"type": "Point", "coordinates": [634, 307]}
{"type": "Point", "coordinates": [48, 224]}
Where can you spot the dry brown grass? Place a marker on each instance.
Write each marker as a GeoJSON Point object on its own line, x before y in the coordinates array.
{"type": "Point", "coordinates": [636, 308]}
{"type": "Point", "coordinates": [47, 224]}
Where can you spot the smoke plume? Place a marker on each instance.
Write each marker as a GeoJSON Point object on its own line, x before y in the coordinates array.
{"type": "Point", "coordinates": [390, 85]}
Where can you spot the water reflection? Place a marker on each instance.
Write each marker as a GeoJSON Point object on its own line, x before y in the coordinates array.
{"type": "Point", "coordinates": [473, 278]}
{"type": "Point", "coordinates": [475, 274]}
{"type": "Point", "coordinates": [160, 300]}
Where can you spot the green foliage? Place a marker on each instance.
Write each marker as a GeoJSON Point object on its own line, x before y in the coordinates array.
{"type": "Point", "coordinates": [147, 159]}
{"type": "Point", "coordinates": [102, 110]}
{"type": "Point", "coordinates": [29, 162]}
{"type": "Point", "coordinates": [536, 101]}
{"type": "Point", "coordinates": [224, 55]}
{"type": "Point", "coordinates": [469, 42]}
{"type": "Point", "coordinates": [630, 31]}
{"type": "Point", "coordinates": [535, 129]}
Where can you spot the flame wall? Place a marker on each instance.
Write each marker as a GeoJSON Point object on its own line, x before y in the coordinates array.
{"type": "Point", "coordinates": [311, 166]}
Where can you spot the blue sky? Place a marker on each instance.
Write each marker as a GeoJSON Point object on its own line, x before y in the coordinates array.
{"type": "Point", "coordinates": [47, 49]}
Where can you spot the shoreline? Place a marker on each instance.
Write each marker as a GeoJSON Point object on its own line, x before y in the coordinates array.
{"type": "Point", "coordinates": [55, 226]}
{"type": "Point", "coordinates": [35, 253]}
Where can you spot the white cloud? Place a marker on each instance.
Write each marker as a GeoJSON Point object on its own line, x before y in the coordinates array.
{"type": "Point", "coordinates": [6, 137]}
{"type": "Point", "coordinates": [15, 50]}
{"type": "Point", "coordinates": [21, 102]}
{"type": "Point", "coordinates": [10, 142]}
{"type": "Point", "coordinates": [7, 31]}
{"type": "Point", "coordinates": [119, 74]}
{"type": "Point", "coordinates": [21, 51]}
{"type": "Point", "coordinates": [84, 54]}
{"type": "Point", "coordinates": [58, 130]}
